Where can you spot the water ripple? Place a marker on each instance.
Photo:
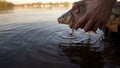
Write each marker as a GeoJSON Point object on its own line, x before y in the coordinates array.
{"type": "Point", "coordinates": [32, 43]}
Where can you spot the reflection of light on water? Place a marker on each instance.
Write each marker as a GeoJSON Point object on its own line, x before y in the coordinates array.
{"type": "Point", "coordinates": [23, 15]}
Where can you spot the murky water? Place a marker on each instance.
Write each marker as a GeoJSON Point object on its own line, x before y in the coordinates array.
{"type": "Point", "coordinates": [32, 38]}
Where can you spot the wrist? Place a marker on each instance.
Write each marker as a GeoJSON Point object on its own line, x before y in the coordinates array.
{"type": "Point", "coordinates": [107, 4]}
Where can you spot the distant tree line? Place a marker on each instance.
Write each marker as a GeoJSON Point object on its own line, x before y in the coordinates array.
{"type": "Point", "coordinates": [56, 4]}
{"type": "Point", "coordinates": [5, 5]}
{"type": "Point", "coordinates": [66, 4]}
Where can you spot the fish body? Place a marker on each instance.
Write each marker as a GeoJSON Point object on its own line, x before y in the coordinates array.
{"type": "Point", "coordinates": [71, 17]}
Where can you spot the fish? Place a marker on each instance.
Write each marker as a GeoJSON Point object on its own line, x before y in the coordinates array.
{"type": "Point", "coordinates": [70, 17]}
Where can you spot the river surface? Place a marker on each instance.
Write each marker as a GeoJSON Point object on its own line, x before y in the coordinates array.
{"type": "Point", "coordinates": [32, 38]}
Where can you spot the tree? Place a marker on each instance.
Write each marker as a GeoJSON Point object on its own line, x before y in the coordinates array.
{"type": "Point", "coordinates": [5, 5]}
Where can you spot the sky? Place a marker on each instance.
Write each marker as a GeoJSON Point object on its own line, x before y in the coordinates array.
{"type": "Point", "coordinates": [33, 1]}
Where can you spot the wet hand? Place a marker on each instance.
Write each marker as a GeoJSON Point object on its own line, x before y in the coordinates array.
{"type": "Point", "coordinates": [96, 15]}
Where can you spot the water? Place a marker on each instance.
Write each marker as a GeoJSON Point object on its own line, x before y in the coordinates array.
{"type": "Point", "coordinates": [32, 38]}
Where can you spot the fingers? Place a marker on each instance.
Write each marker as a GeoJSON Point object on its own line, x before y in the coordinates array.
{"type": "Point", "coordinates": [96, 25]}
{"type": "Point", "coordinates": [71, 25]}
{"type": "Point", "coordinates": [89, 25]}
{"type": "Point", "coordinates": [103, 25]}
{"type": "Point", "coordinates": [81, 23]}
{"type": "Point", "coordinates": [96, 16]}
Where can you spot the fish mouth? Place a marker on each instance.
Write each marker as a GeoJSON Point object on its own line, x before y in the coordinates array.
{"type": "Point", "coordinates": [58, 20]}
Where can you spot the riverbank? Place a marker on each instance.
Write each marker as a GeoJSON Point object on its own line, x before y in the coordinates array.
{"type": "Point", "coordinates": [6, 5]}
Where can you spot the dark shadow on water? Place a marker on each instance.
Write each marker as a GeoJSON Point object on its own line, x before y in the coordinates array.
{"type": "Point", "coordinates": [112, 49]}
{"type": "Point", "coordinates": [83, 55]}
{"type": "Point", "coordinates": [89, 57]}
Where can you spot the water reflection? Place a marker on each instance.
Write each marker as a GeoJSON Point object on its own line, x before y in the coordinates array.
{"type": "Point", "coordinates": [90, 57]}
{"type": "Point", "coordinates": [83, 54]}
{"type": "Point", "coordinates": [6, 11]}
{"type": "Point", "coordinates": [28, 45]}
{"type": "Point", "coordinates": [25, 15]}
{"type": "Point", "coordinates": [112, 52]}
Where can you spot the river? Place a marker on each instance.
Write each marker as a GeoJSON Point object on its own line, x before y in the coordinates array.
{"type": "Point", "coordinates": [32, 38]}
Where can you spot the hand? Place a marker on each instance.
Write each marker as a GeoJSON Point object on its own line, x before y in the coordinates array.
{"type": "Point", "coordinates": [96, 15]}
{"type": "Point", "coordinates": [76, 9]}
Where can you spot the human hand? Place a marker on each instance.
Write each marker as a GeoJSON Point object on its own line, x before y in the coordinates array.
{"type": "Point", "coordinates": [96, 15]}
{"type": "Point", "coordinates": [78, 10]}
